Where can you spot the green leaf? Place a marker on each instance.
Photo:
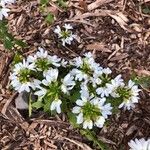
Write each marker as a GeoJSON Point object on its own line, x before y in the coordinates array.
{"type": "Point", "coordinates": [72, 119]}
{"type": "Point", "coordinates": [143, 81]}
{"type": "Point", "coordinates": [20, 43]}
{"type": "Point", "coordinates": [50, 18]}
{"type": "Point", "coordinates": [17, 58]}
{"type": "Point", "coordinates": [8, 44]}
{"type": "Point", "coordinates": [7, 39]}
{"type": "Point", "coordinates": [44, 2]}
{"type": "Point", "coordinates": [47, 102]}
{"type": "Point", "coordinates": [75, 95]}
{"type": "Point", "coordinates": [37, 104]}
{"type": "Point", "coordinates": [90, 135]}
{"type": "Point", "coordinates": [62, 3]}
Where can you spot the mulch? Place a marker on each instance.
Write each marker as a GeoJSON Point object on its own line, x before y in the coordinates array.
{"type": "Point", "coordinates": [118, 34]}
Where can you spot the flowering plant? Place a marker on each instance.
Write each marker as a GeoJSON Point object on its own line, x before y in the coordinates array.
{"type": "Point", "coordinates": [80, 87]}
{"type": "Point", "coordinates": [65, 34]}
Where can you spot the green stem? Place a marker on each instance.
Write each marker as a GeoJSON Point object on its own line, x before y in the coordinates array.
{"type": "Point", "coordinates": [91, 136]}
{"type": "Point", "coordinates": [30, 105]}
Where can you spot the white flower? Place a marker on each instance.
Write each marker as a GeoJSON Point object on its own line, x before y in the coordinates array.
{"type": "Point", "coordinates": [55, 60]}
{"type": "Point", "coordinates": [4, 2]}
{"type": "Point", "coordinates": [79, 75]}
{"type": "Point", "coordinates": [58, 31]}
{"type": "Point", "coordinates": [55, 105]}
{"type": "Point", "coordinates": [132, 97]}
{"type": "Point", "coordinates": [139, 144]}
{"type": "Point", "coordinates": [100, 121]}
{"type": "Point", "coordinates": [20, 78]}
{"type": "Point", "coordinates": [41, 92]}
{"type": "Point", "coordinates": [64, 63]}
{"type": "Point", "coordinates": [77, 62]}
{"type": "Point", "coordinates": [24, 65]}
{"type": "Point", "coordinates": [42, 61]}
{"type": "Point", "coordinates": [105, 108]}
{"type": "Point", "coordinates": [116, 83]}
{"type": "Point", "coordinates": [68, 27]}
{"type": "Point", "coordinates": [17, 85]}
{"type": "Point", "coordinates": [88, 124]}
{"type": "Point", "coordinates": [66, 35]}
{"type": "Point", "coordinates": [50, 76]}
{"type": "Point", "coordinates": [68, 40]}
{"type": "Point", "coordinates": [106, 71]}
{"type": "Point", "coordinates": [88, 55]}
{"type": "Point", "coordinates": [86, 69]}
{"type": "Point", "coordinates": [41, 53]}
{"type": "Point", "coordinates": [4, 12]}
{"type": "Point", "coordinates": [80, 118]}
{"type": "Point", "coordinates": [91, 111]}
{"type": "Point", "coordinates": [103, 91]}
{"type": "Point", "coordinates": [67, 83]}
{"type": "Point", "coordinates": [95, 81]}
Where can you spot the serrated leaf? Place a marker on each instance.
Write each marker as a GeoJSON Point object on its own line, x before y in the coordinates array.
{"type": "Point", "coordinates": [73, 120]}
{"type": "Point", "coordinates": [37, 104]}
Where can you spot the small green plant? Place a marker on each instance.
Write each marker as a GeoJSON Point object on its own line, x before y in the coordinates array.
{"type": "Point", "coordinates": [80, 88]}
{"type": "Point", "coordinates": [143, 81]}
{"type": "Point", "coordinates": [62, 3]}
{"type": "Point", "coordinates": [7, 39]}
{"type": "Point", "coordinates": [49, 19]}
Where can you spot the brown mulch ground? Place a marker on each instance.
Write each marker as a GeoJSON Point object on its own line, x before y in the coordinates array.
{"type": "Point", "coordinates": [116, 31]}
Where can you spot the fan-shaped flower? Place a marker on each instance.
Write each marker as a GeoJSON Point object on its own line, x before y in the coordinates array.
{"type": "Point", "coordinates": [129, 94]}
{"type": "Point", "coordinates": [21, 77]}
{"type": "Point", "coordinates": [91, 111]}
{"type": "Point", "coordinates": [139, 144]}
{"type": "Point", "coordinates": [65, 35]}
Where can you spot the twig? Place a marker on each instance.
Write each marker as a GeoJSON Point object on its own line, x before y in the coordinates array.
{"type": "Point", "coordinates": [3, 111]}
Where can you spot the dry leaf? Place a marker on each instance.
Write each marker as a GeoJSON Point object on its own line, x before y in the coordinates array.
{"type": "Point", "coordinates": [83, 4]}
{"type": "Point", "coordinates": [119, 57]}
{"type": "Point", "coordinates": [98, 46]}
{"type": "Point", "coordinates": [97, 3]}
{"type": "Point", "coordinates": [142, 72]}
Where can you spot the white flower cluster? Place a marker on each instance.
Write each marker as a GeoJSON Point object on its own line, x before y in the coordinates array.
{"type": "Point", "coordinates": [3, 9]}
{"type": "Point", "coordinates": [65, 35]}
{"type": "Point", "coordinates": [140, 144]}
{"type": "Point", "coordinates": [54, 80]}
{"type": "Point", "coordinates": [91, 110]}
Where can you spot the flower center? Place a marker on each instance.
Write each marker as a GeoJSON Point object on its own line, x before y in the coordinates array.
{"type": "Point", "coordinates": [24, 75]}
{"type": "Point", "coordinates": [124, 93]}
{"type": "Point", "coordinates": [85, 68]}
{"type": "Point", "coordinates": [42, 64]}
{"type": "Point", "coordinates": [65, 34]}
{"type": "Point", "coordinates": [105, 79]}
{"type": "Point", "coordinates": [90, 111]}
